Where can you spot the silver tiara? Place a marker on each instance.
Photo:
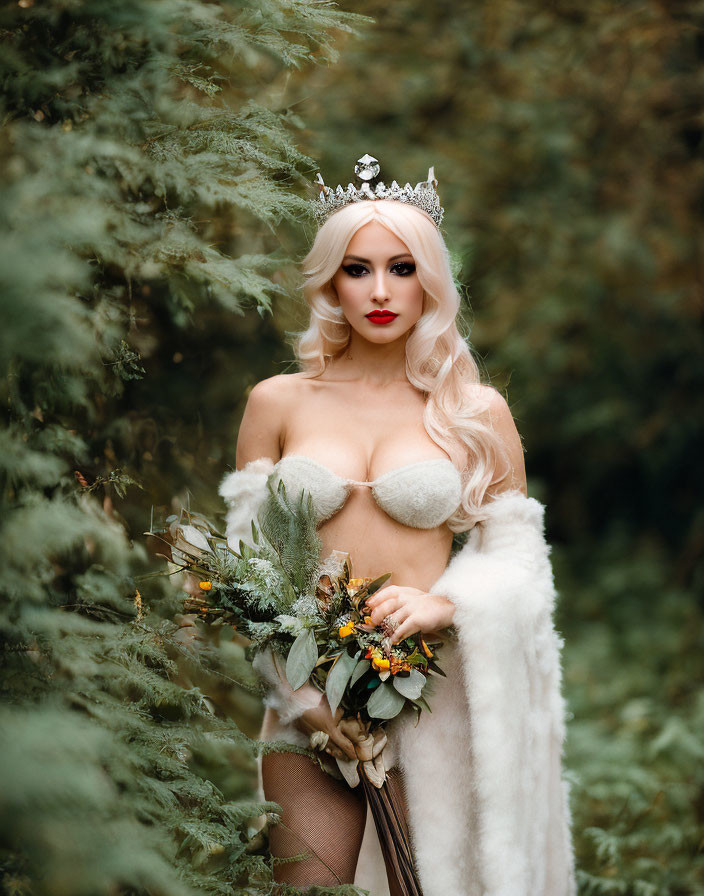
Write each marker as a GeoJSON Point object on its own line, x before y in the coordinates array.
{"type": "Point", "coordinates": [424, 195]}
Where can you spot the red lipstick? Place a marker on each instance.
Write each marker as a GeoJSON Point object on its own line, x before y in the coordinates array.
{"type": "Point", "coordinates": [381, 317]}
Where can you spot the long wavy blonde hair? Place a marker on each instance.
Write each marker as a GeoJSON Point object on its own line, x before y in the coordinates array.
{"type": "Point", "coordinates": [438, 360]}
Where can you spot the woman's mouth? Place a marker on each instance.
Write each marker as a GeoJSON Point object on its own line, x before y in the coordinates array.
{"type": "Point", "coordinates": [381, 317]}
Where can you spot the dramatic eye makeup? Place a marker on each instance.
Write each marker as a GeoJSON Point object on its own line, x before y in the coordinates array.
{"type": "Point", "coordinates": [359, 267]}
{"type": "Point", "coordinates": [355, 269]}
{"type": "Point", "coordinates": [404, 268]}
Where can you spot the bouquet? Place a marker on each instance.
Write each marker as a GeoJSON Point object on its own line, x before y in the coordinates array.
{"type": "Point", "coordinates": [282, 596]}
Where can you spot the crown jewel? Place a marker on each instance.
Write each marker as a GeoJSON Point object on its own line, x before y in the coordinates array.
{"type": "Point", "coordinates": [424, 195]}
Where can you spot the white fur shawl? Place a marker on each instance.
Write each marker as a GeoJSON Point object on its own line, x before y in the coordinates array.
{"type": "Point", "coordinates": [488, 809]}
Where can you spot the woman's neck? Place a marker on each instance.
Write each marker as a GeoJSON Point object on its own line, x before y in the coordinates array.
{"type": "Point", "coordinates": [364, 361]}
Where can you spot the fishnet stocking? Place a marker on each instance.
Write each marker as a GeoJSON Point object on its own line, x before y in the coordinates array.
{"type": "Point", "coordinates": [322, 817]}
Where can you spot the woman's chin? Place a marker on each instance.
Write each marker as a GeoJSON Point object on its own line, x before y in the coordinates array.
{"type": "Point", "coordinates": [379, 334]}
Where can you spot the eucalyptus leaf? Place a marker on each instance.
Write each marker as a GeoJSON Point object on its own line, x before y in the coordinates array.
{"type": "Point", "coordinates": [410, 685]}
{"type": "Point", "coordinates": [362, 667]}
{"type": "Point", "coordinates": [301, 659]}
{"type": "Point", "coordinates": [385, 702]}
{"type": "Point", "coordinates": [195, 537]}
{"type": "Point", "coordinates": [338, 677]}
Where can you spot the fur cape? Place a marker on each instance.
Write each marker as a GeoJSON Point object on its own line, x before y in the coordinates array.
{"type": "Point", "coordinates": [488, 808]}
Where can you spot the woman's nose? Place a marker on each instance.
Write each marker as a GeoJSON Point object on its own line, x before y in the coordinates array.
{"type": "Point", "coordinates": [380, 287]}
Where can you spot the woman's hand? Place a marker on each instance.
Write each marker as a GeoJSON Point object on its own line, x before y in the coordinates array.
{"type": "Point", "coordinates": [348, 738]}
{"type": "Point", "coordinates": [414, 610]}
{"type": "Point", "coordinates": [321, 719]}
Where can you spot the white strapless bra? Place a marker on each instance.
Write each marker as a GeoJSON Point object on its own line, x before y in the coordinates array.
{"type": "Point", "coordinates": [422, 494]}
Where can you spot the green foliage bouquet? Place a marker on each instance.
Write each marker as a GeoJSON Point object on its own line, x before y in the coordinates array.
{"type": "Point", "coordinates": [279, 594]}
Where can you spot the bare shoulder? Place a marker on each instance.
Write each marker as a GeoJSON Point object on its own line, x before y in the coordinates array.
{"type": "Point", "coordinates": [274, 390]}
{"type": "Point", "coordinates": [496, 413]}
{"type": "Point", "coordinates": [261, 429]}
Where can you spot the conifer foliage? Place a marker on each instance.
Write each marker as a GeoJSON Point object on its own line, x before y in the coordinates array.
{"type": "Point", "coordinates": [138, 160]}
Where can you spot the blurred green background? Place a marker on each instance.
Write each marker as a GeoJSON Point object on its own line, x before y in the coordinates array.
{"type": "Point", "coordinates": [154, 166]}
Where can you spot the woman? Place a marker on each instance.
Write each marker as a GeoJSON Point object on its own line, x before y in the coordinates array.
{"type": "Point", "coordinates": [389, 429]}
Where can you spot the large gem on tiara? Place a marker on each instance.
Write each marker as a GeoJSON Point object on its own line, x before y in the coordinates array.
{"type": "Point", "coordinates": [424, 195]}
{"type": "Point", "coordinates": [367, 168]}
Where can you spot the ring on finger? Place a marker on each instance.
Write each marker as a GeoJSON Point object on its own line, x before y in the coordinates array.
{"type": "Point", "coordinates": [390, 622]}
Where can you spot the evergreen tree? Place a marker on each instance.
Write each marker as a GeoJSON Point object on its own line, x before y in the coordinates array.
{"type": "Point", "coordinates": [143, 170]}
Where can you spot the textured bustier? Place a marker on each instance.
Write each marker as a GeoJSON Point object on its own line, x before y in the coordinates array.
{"type": "Point", "coordinates": [422, 494]}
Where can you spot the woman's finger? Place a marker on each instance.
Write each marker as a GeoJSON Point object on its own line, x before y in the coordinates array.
{"type": "Point", "coordinates": [400, 617]}
{"type": "Point", "coordinates": [386, 609]}
{"type": "Point", "coordinates": [334, 751]}
{"type": "Point", "coordinates": [381, 595]}
{"type": "Point", "coordinates": [407, 628]}
{"type": "Point", "coordinates": [402, 613]}
{"type": "Point", "coordinates": [343, 743]}
{"type": "Point", "coordinates": [353, 728]}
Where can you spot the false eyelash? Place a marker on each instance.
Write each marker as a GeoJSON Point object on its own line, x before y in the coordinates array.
{"type": "Point", "coordinates": [409, 267]}
{"type": "Point", "coordinates": [348, 269]}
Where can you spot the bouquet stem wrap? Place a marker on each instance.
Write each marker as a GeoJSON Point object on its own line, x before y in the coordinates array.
{"type": "Point", "coordinates": [394, 837]}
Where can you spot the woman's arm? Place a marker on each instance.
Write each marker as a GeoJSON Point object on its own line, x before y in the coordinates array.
{"type": "Point", "coordinates": [261, 429]}
{"type": "Point", "coordinates": [511, 470]}
{"type": "Point", "coordinates": [258, 448]}
{"type": "Point", "coordinates": [259, 437]}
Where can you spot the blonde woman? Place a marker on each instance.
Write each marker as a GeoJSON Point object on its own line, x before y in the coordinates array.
{"type": "Point", "coordinates": [389, 428]}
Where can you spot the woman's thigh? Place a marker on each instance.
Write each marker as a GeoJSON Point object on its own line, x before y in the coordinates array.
{"type": "Point", "coordinates": [321, 816]}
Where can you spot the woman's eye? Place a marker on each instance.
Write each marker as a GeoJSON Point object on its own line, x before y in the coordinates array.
{"type": "Point", "coordinates": [354, 270]}
{"type": "Point", "coordinates": [404, 268]}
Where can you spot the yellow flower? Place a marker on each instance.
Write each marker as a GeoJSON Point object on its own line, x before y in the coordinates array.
{"type": "Point", "coordinates": [399, 665]}
{"type": "Point", "coordinates": [368, 620]}
{"type": "Point", "coordinates": [380, 664]}
{"type": "Point", "coordinates": [205, 586]}
{"type": "Point", "coordinates": [345, 630]}
{"type": "Point", "coordinates": [354, 585]}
